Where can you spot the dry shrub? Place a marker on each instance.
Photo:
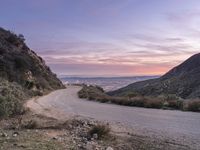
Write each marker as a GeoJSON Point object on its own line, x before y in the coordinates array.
{"type": "Point", "coordinates": [101, 130]}
{"type": "Point", "coordinates": [31, 124]}
{"type": "Point", "coordinates": [153, 103]}
{"type": "Point", "coordinates": [177, 104]}
{"type": "Point", "coordinates": [10, 106]}
{"type": "Point", "coordinates": [194, 105]}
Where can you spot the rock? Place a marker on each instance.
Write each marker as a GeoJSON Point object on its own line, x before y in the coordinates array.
{"type": "Point", "coordinates": [15, 134]}
{"type": "Point", "coordinates": [74, 142]}
{"type": "Point", "coordinates": [3, 134]}
{"type": "Point", "coordinates": [70, 126]}
{"type": "Point", "coordinates": [84, 140]}
{"type": "Point", "coordinates": [55, 138]}
{"type": "Point", "coordinates": [109, 148]}
{"type": "Point", "coordinates": [81, 146]}
{"type": "Point", "coordinates": [95, 136]}
{"type": "Point", "coordinates": [59, 139]}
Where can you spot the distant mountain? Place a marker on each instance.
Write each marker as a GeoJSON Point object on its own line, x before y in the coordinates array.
{"type": "Point", "coordinates": [107, 83]}
{"type": "Point", "coordinates": [21, 65]}
{"type": "Point", "coordinates": [183, 81]}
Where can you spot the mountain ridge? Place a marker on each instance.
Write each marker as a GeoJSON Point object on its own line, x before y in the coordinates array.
{"type": "Point", "coordinates": [182, 81]}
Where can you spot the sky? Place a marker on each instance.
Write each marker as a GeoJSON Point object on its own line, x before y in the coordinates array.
{"type": "Point", "coordinates": [107, 37]}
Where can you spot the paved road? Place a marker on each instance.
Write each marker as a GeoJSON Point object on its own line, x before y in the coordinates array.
{"type": "Point", "coordinates": [171, 123]}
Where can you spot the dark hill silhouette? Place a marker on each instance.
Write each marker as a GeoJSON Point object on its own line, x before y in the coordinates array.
{"type": "Point", "coordinates": [23, 74]}
{"type": "Point", "coordinates": [183, 81]}
{"type": "Point", "coordinates": [21, 65]}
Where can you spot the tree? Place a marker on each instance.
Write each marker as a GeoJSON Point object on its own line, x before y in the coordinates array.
{"type": "Point", "coordinates": [21, 37]}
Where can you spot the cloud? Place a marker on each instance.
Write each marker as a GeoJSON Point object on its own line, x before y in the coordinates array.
{"type": "Point", "coordinates": [187, 22]}
{"type": "Point", "coordinates": [149, 55]}
{"type": "Point", "coordinates": [109, 69]}
{"type": "Point", "coordinates": [76, 48]}
{"type": "Point", "coordinates": [138, 53]}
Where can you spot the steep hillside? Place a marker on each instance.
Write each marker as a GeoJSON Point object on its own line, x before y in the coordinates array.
{"type": "Point", "coordinates": [183, 81]}
{"type": "Point", "coordinates": [23, 73]}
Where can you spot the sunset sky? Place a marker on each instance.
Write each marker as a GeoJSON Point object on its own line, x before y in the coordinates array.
{"type": "Point", "coordinates": [107, 37]}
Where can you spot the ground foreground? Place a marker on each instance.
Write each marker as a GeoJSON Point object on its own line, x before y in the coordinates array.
{"type": "Point", "coordinates": [61, 120]}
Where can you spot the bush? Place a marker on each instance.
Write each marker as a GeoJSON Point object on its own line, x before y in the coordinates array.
{"type": "Point", "coordinates": [21, 63]}
{"type": "Point", "coordinates": [99, 88]}
{"type": "Point", "coordinates": [32, 124]}
{"type": "Point", "coordinates": [138, 101]}
{"type": "Point", "coordinates": [102, 99]}
{"type": "Point", "coordinates": [171, 97]}
{"type": "Point", "coordinates": [15, 39]}
{"type": "Point", "coordinates": [132, 94]}
{"type": "Point", "coordinates": [21, 37]}
{"type": "Point", "coordinates": [10, 106]}
{"type": "Point", "coordinates": [132, 99]}
{"type": "Point", "coordinates": [29, 84]}
{"type": "Point", "coordinates": [177, 104]}
{"type": "Point", "coordinates": [91, 92]}
{"type": "Point", "coordinates": [100, 129]}
{"type": "Point", "coordinates": [194, 105]}
{"type": "Point", "coordinates": [153, 103]}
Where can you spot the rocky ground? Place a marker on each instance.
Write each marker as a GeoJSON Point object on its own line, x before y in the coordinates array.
{"type": "Point", "coordinates": [36, 132]}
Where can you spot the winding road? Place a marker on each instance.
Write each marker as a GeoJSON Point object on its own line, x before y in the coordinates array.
{"type": "Point", "coordinates": [184, 126]}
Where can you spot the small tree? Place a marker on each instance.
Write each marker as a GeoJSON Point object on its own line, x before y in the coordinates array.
{"type": "Point", "coordinates": [21, 37]}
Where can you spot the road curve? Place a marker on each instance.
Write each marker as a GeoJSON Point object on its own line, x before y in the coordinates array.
{"type": "Point", "coordinates": [170, 123]}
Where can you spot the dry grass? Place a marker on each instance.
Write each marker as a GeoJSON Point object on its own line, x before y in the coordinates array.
{"type": "Point", "coordinates": [194, 105]}
{"type": "Point", "coordinates": [95, 93]}
{"type": "Point", "coordinates": [101, 130]}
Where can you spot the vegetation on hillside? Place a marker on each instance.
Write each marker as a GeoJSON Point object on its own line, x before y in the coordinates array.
{"type": "Point", "coordinates": [23, 74]}
{"type": "Point", "coordinates": [96, 93]}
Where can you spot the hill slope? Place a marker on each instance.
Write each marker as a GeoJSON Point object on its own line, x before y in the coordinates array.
{"type": "Point", "coordinates": [23, 73]}
{"type": "Point", "coordinates": [183, 80]}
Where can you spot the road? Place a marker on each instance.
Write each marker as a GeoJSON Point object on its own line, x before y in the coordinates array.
{"type": "Point", "coordinates": [184, 126]}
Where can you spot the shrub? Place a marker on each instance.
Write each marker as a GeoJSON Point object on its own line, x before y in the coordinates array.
{"type": "Point", "coordinates": [21, 37]}
{"type": "Point", "coordinates": [31, 124]}
{"type": "Point", "coordinates": [29, 84]}
{"type": "Point", "coordinates": [100, 89]}
{"type": "Point", "coordinates": [102, 99]}
{"type": "Point", "coordinates": [101, 130]}
{"type": "Point", "coordinates": [20, 63]}
{"type": "Point", "coordinates": [91, 92]}
{"type": "Point", "coordinates": [132, 99]}
{"type": "Point", "coordinates": [194, 105]}
{"type": "Point", "coordinates": [10, 106]}
{"type": "Point", "coordinates": [170, 97]}
{"type": "Point", "coordinates": [153, 103]}
{"type": "Point", "coordinates": [2, 51]}
{"type": "Point", "coordinates": [15, 39]}
{"type": "Point", "coordinates": [132, 94]}
{"type": "Point", "coordinates": [138, 101]}
{"type": "Point", "coordinates": [177, 104]}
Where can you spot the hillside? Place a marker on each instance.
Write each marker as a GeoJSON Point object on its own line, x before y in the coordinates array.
{"type": "Point", "coordinates": [182, 81]}
{"type": "Point", "coordinates": [23, 73]}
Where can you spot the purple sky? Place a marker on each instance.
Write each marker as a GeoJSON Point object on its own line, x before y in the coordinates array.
{"type": "Point", "coordinates": [107, 37]}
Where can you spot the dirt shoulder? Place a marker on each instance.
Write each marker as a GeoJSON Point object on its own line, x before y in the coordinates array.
{"type": "Point", "coordinates": [45, 127]}
{"type": "Point", "coordinates": [37, 132]}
